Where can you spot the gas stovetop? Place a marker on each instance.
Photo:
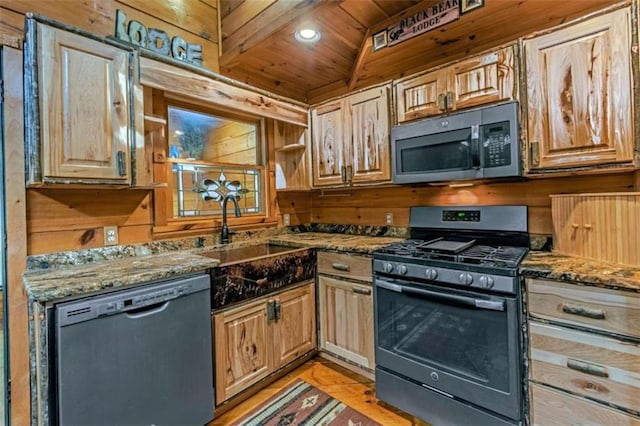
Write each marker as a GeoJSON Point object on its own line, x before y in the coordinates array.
{"type": "Point", "coordinates": [464, 252]}
{"type": "Point", "coordinates": [479, 247]}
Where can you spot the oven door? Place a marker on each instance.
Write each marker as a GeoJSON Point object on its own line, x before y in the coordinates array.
{"type": "Point", "coordinates": [460, 343]}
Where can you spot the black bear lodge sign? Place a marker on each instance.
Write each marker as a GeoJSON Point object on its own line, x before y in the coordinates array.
{"type": "Point", "coordinates": [422, 21]}
{"type": "Point", "coordinates": [157, 40]}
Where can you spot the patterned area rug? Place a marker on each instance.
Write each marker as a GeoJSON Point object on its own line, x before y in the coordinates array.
{"type": "Point", "coordinates": [303, 404]}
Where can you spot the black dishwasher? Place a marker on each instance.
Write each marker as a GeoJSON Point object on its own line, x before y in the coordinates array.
{"type": "Point", "coordinates": [136, 357]}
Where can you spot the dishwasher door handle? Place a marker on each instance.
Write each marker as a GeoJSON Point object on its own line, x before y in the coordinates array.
{"type": "Point", "coordinates": [147, 310]}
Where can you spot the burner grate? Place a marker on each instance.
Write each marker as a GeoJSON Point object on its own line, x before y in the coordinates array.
{"type": "Point", "coordinates": [496, 255]}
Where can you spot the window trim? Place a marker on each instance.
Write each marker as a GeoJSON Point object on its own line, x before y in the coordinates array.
{"type": "Point", "coordinates": [198, 225]}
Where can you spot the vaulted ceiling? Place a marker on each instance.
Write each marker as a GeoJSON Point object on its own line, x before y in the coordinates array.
{"type": "Point", "coordinates": [258, 45]}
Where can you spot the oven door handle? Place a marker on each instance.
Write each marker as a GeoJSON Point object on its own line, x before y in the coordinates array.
{"type": "Point", "coordinates": [449, 299]}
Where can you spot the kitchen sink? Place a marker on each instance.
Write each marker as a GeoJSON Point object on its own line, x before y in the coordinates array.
{"type": "Point", "coordinates": [247, 272]}
{"type": "Point", "coordinates": [247, 253]}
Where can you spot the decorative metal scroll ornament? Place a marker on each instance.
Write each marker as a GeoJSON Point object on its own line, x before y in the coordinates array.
{"type": "Point", "coordinates": [215, 190]}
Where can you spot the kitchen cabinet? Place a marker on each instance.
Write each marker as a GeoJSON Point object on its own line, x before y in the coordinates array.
{"type": "Point", "coordinates": [579, 94]}
{"type": "Point", "coordinates": [351, 139]}
{"type": "Point", "coordinates": [257, 338]}
{"type": "Point", "coordinates": [584, 352]}
{"type": "Point", "coordinates": [482, 79]}
{"type": "Point", "coordinates": [346, 308]}
{"type": "Point", "coordinates": [83, 101]}
{"type": "Point", "coordinates": [291, 152]}
{"type": "Point", "coordinates": [598, 226]}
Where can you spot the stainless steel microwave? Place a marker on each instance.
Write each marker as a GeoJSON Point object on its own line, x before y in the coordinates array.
{"type": "Point", "coordinates": [477, 144]}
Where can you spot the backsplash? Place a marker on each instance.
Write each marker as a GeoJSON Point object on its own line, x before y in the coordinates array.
{"type": "Point", "coordinates": [80, 257]}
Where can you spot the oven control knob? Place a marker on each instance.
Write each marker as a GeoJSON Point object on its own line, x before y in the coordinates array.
{"type": "Point", "coordinates": [465, 278]}
{"type": "Point", "coordinates": [388, 267]}
{"type": "Point", "coordinates": [402, 269]}
{"type": "Point", "coordinates": [431, 274]}
{"type": "Point", "coordinates": [486, 282]}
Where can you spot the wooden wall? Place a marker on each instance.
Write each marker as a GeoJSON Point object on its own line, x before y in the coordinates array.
{"type": "Point", "coordinates": [71, 219]}
{"type": "Point", "coordinates": [232, 142]}
{"type": "Point", "coordinates": [63, 219]}
{"type": "Point", "coordinates": [196, 21]}
{"type": "Point", "coordinates": [368, 206]}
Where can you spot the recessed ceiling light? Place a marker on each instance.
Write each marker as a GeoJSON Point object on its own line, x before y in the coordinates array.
{"type": "Point", "coordinates": [307, 35]}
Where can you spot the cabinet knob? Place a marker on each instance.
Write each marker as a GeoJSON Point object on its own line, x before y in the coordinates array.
{"type": "Point", "coordinates": [449, 101]}
{"type": "Point", "coordinates": [587, 226]}
{"type": "Point", "coordinates": [442, 102]}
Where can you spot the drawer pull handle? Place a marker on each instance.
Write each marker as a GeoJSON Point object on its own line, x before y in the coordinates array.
{"type": "Point", "coordinates": [587, 367]}
{"type": "Point", "coordinates": [365, 291]}
{"type": "Point", "coordinates": [261, 281]}
{"type": "Point", "coordinates": [341, 267]}
{"type": "Point", "coordinates": [582, 311]}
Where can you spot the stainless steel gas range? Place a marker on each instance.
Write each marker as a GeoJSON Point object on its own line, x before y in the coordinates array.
{"type": "Point", "coordinates": [448, 316]}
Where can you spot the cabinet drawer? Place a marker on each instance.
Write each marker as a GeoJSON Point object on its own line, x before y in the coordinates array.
{"type": "Point", "coordinates": [586, 364]}
{"type": "Point", "coordinates": [345, 265]}
{"type": "Point", "coordinates": [551, 407]}
{"type": "Point", "coordinates": [603, 309]}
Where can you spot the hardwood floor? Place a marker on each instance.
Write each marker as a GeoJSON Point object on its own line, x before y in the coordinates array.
{"type": "Point", "coordinates": [350, 388]}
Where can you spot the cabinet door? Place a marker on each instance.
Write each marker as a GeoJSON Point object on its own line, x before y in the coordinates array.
{"type": "Point", "coordinates": [418, 97]}
{"type": "Point", "coordinates": [481, 80]}
{"type": "Point", "coordinates": [242, 349]}
{"type": "Point", "coordinates": [84, 108]}
{"type": "Point", "coordinates": [579, 94]}
{"type": "Point", "coordinates": [346, 320]}
{"type": "Point", "coordinates": [369, 157]}
{"type": "Point", "coordinates": [294, 333]}
{"type": "Point", "coordinates": [328, 144]}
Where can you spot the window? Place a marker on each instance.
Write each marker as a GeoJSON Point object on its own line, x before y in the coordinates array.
{"type": "Point", "coordinates": [212, 156]}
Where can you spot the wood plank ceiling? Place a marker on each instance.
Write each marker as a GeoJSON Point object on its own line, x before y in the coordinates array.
{"type": "Point", "coordinates": [258, 45]}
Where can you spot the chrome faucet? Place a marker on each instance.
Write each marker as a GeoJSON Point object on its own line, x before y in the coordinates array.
{"type": "Point", "coordinates": [224, 235]}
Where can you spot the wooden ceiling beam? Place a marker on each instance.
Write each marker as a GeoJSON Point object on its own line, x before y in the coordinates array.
{"type": "Point", "coordinates": [358, 65]}
{"type": "Point", "coordinates": [262, 26]}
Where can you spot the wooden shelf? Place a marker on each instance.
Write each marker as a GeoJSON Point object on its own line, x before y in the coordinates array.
{"type": "Point", "coordinates": [151, 122]}
{"type": "Point", "coordinates": [291, 147]}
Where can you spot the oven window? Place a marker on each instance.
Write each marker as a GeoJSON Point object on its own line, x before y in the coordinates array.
{"type": "Point", "coordinates": [471, 343]}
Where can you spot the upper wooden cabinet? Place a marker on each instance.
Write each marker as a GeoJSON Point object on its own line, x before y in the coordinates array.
{"type": "Point", "coordinates": [80, 99]}
{"type": "Point", "coordinates": [351, 139]}
{"type": "Point", "coordinates": [579, 94]}
{"type": "Point", "coordinates": [482, 79]}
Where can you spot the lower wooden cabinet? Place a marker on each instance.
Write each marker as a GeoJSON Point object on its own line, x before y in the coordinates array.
{"type": "Point", "coordinates": [346, 308]}
{"type": "Point", "coordinates": [253, 340]}
{"type": "Point", "coordinates": [346, 320]}
{"type": "Point", "coordinates": [584, 355]}
{"type": "Point", "coordinates": [553, 407]}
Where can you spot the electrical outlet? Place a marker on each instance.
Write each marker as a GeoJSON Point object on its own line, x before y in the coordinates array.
{"type": "Point", "coordinates": [389, 218]}
{"type": "Point", "coordinates": [286, 219]}
{"type": "Point", "coordinates": [110, 235]}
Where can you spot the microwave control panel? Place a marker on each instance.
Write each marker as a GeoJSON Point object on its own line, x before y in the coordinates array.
{"type": "Point", "coordinates": [496, 144]}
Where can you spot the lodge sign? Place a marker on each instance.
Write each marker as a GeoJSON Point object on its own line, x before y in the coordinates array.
{"type": "Point", "coordinates": [425, 20]}
{"type": "Point", "coordinates": [157, 40]}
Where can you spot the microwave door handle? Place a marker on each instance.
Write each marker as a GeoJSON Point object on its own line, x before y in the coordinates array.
{"type": "Point", "coordinates": [475, 146]}
{"type": "Point", "coordinates": [454, 300]}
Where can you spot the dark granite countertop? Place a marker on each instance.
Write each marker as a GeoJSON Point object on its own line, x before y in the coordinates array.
{"type": "Point", "coordinates": [46, 285]}
{"type": "Point", "coordinates": [578, 270]}
{"type": "Point", "coordinates": [341, 242]}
